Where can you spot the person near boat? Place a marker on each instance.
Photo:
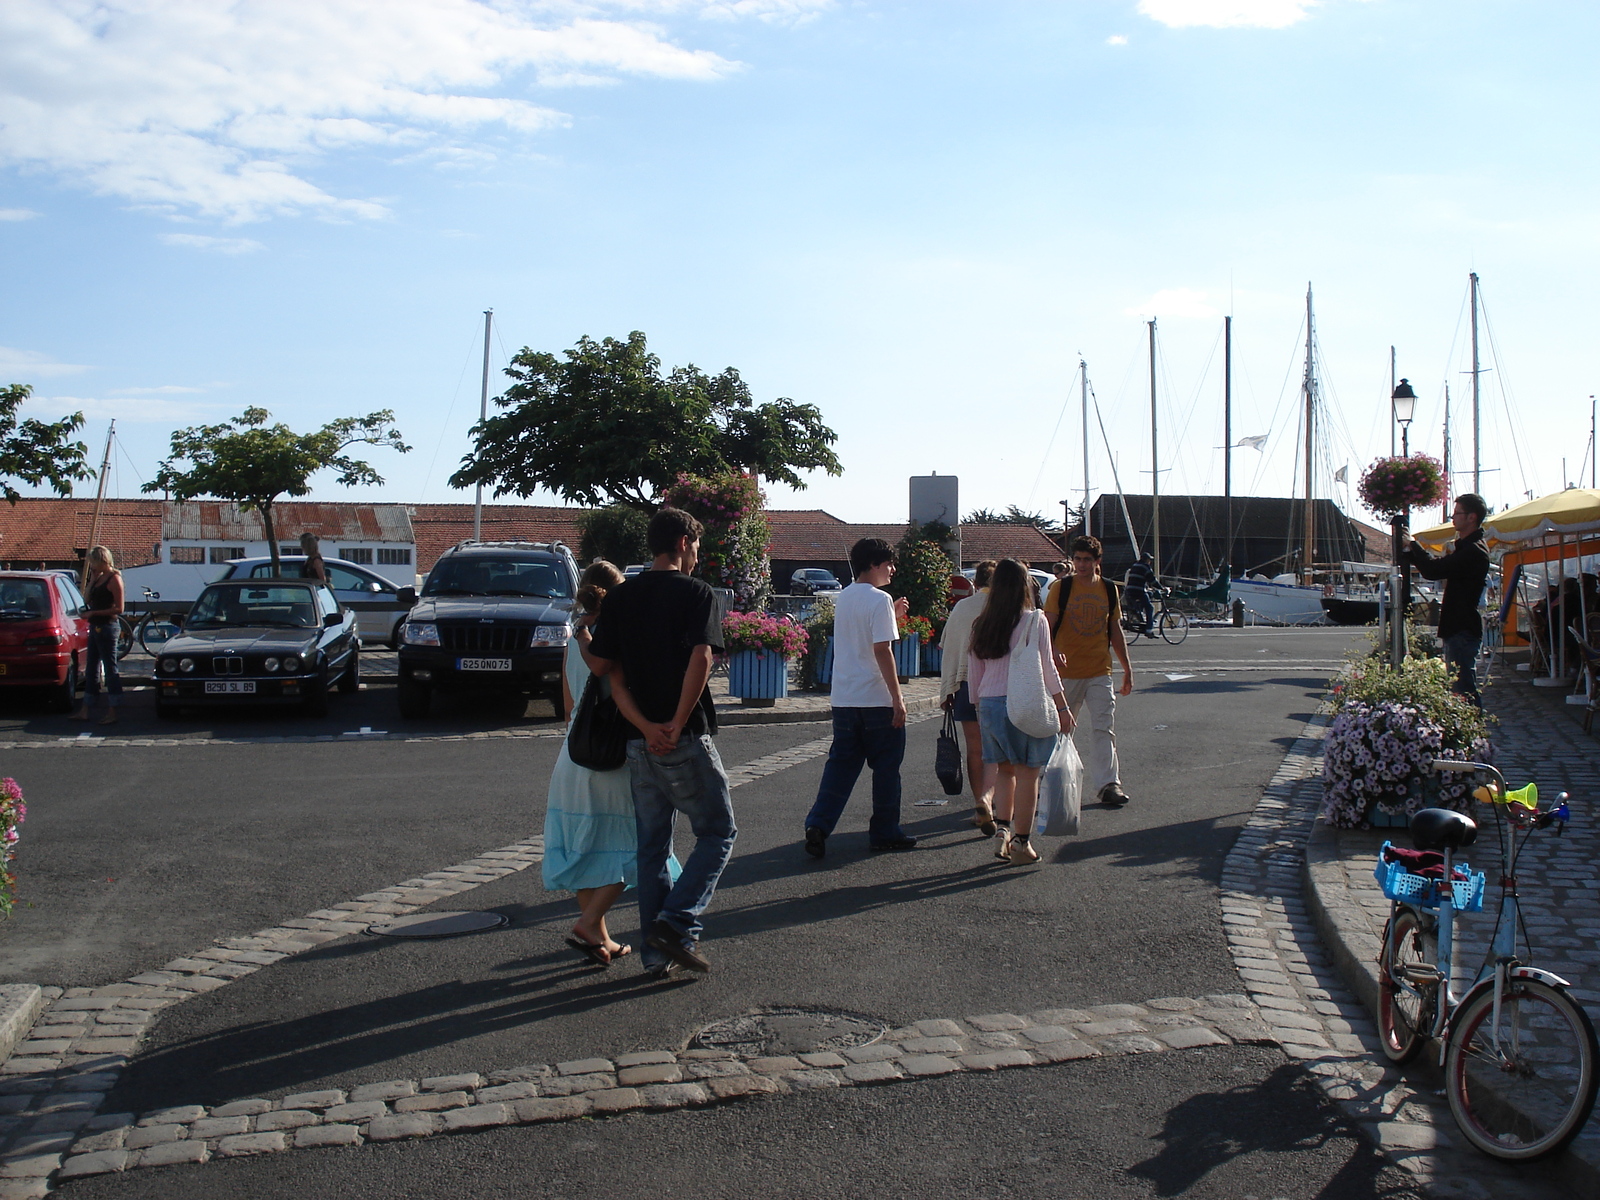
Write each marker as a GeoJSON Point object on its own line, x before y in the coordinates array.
{"type": "Point", "coordinates": [591, 839]}
{"type": "Point", "coordinates": [955, 692]}
{"type": "Point", "coordinates": [105, 606]}
{"type": "Point", "coordinates": [1464, 570]}
{"type": "Point", "coordinates": [1008, 622]}
{"type": "Point", "coordinates": [1087, 623]}
{"type": "Point", "coordinates": [1137, 585]}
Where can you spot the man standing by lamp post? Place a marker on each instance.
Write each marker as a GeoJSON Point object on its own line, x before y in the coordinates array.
{"type": "Point", "coordinates": [1464, 571]}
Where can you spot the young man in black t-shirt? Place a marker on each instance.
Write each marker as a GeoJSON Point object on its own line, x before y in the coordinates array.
{"type": "Point", "coordinates": [655, 640]}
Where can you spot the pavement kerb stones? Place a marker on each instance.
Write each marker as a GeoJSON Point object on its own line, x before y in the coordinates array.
{"type": "Point", "coordinates": [657, 1080]}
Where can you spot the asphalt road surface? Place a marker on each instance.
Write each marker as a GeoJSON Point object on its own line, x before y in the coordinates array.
{"type": "Point", "coordinates": [134, 855]}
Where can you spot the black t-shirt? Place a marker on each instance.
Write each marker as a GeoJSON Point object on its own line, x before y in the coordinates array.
{"type": "Point", "coordinates": [650, 624]}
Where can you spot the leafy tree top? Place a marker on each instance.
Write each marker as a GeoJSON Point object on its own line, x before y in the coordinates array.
{"type": "Point", "coordinates": [38, 452]}
{"type": "Point", "coordinates": [1014, 516]}
{"type": "Point", "coordinates": [602, 424]}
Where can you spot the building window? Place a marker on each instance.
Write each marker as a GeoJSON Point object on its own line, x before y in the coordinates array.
{"type": "Point", "coordinates": [222, 554]}
{"type": "Point", "coordinates": [356, 554]}
{"type": "Point", "coordinates": [188, 554]}
{"type": "Point", "coordinates": [394, 558]}
{"type": "Point", "coordinates": [289, 548]}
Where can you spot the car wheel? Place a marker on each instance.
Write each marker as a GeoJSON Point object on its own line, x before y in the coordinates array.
{"type": "Point", "coordinates": [414, 698]}
{"type": "Point", "coordinates": [350, 681]}
{"type": "Point", "coordinates": [64, 695]}
{"type": "Point", "coordinates": [316, 701]}
{"type": "Point", "coordinates": [394, 634]}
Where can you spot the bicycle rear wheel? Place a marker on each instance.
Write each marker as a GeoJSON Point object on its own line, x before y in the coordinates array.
{"type": "Point", "coordinates": [1520, 1088]}
{"type": "Point", "coordinates": [155, 631]}
{"type": "Point", "coordinates": [1405, 1006]}
{"type": "Point", "coordinates": [1174, 626]}
{"type": "Point", "coordinates": [124, 637]}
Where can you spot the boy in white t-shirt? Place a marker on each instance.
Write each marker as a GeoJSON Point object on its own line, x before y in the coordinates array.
{"type": "Point", "coordinates": [869, 714]}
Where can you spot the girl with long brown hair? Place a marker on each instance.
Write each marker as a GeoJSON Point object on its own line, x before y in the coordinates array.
{"type": "Point", "coordinates": [1009, 620]}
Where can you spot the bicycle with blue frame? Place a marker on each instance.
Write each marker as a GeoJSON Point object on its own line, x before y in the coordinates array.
{"type": "Point", "coordinates": [1518, 1052]}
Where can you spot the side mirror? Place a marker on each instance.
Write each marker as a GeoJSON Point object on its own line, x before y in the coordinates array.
{"type": "Point", "coordinates": [407, 596]}
{"type": "Point", "coordinates": [332, 619]}
{"type": "Point", "coordinates": [374, 586]}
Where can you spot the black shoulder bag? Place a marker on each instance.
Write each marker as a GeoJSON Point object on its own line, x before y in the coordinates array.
{"type": "Point", "coordinates": [599, 735]}
{"type": "Point", "coordinates": [947, 756]}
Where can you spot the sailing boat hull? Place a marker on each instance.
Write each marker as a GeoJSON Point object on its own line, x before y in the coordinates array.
{"type": "Point", "coordinates": [1280, 603]}
{"type": "Point", "coordinates": [1348, 610]}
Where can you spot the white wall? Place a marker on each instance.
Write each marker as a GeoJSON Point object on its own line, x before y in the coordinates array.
{"type": "Point", "coordinates": [400, 574]}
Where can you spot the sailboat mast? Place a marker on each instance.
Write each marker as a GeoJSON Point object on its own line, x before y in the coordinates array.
{"type": "Point", "coordinates": [1227, 434]}
{"type": "Point", "coordinates": [1393, 423]}
{"type": "Point", "coordinates": [483, 415]}
{"type": "Point", "coordinates": [1310, 388]}
{"type": "Point", "coordinates": [99, 503]}
{"type": "Point", "coordinates": [1083, 382]}
{"type": "Point", "coordinates": [1155, 465]}
{"type": "Point", "coordinates": [1476, 442]}
{"type": "Point", "coordinates": [1445, 515]}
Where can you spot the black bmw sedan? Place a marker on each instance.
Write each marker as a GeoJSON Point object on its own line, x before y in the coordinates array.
{"type": "Point", "coordinates": [248, 642]}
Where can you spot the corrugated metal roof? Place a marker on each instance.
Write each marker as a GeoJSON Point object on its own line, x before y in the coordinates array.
{"type": "Point", "coordinates": [220, 521]}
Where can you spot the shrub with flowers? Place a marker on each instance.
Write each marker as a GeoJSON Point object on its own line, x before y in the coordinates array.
{"type": "Point", "coordinates": [819, 628]}
{"type": "Point", "coordinates": [922, 576]}
{"type": "Point", "coordinates": [1392, 486]}
{"type": "Point", "coordinates": [734, 551]}
{"type": "Point", "coordinates": [1389, 727]}
{"type": "Point", "coordinates": [12, 813]}
{"type": "Point", "coordinates": [917, 627]}
{"type": "Point", "coordinates": [762, 632]}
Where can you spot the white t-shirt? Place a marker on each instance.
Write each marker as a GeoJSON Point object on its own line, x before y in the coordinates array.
{"type": "Point", "coordinates": [862, 617]}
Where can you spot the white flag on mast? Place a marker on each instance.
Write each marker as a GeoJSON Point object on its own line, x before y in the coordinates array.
{"type": "Point", "coordinates": [1254, 443]}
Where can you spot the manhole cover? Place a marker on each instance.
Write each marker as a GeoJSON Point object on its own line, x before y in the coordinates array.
{"type": "Point", "coordinates": [440, 925]}
{"type": "Point", "coordinates": [789, 1031]}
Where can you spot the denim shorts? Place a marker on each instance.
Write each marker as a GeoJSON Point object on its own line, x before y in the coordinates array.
{"type": "Point", "coordinates": [1003, 742]}
{"type": "Point", "coordinates": [961, 706]}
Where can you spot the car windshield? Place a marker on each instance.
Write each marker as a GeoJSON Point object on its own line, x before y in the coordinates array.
{"type": "Point", "coordinates": [23, 600]}
{"type": "Point", "coordinates": [482, 576]}
{"type": "Point", "coordinates": [273, 606]}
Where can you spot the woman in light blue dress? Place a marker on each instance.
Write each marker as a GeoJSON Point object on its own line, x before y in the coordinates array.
{"type": "Point", "coordinates": [591, 841]}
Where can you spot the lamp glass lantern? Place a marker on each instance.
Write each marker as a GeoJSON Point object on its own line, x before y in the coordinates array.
{"type": "Point", "coordinates": [1404, 401]}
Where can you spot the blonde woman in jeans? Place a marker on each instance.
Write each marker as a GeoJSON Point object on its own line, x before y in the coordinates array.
{"type": "Point", "coordinates": [1010, 620]}
{"type": "Point", "coordinates": [105, 606]}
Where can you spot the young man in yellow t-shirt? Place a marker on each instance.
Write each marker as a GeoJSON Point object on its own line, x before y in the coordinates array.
{"type": "Point", "coordinates": [1086, 621]}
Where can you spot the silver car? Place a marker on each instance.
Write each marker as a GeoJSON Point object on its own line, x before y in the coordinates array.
{"type": "Point", "coordinates": [377, 602]}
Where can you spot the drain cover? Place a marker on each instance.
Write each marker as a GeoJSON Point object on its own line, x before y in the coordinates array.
{"type": "Point", "coordinates": [440, 924]}
{"type": "Point", "coordinates": [789, 1031]}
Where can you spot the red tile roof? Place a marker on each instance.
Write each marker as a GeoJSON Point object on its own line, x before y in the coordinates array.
{"type": "Point", "coordinates": [48, 530]}
{"type": "Point", "coordinates": [440, 526]}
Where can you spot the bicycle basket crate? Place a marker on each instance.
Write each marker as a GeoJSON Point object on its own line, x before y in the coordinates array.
{"type": "Point", "coordinates": [1400, 884]}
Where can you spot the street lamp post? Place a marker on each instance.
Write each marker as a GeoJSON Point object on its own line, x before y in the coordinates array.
{"type": "Point", "coordinates": [1405, 408]}
{"type": "Point", "coordinates": [1404, 403]}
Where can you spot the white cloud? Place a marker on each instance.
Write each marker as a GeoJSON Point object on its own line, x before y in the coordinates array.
{"type": "Point", "coordinates": [17, 214]}
{"type": "Point", "coordinates": [219, 110]}
{"type": "Point", "coordinates": [16, 366]}
{"type": "Point", "coordinates": [132, 410]}
{"type": "Point", "coordinates": [1221, 14]}
{"type": "Point", "coordinates": [1116, 39]}
{"type": "Point", "coordinates": [165, 389]}
{"type": "Point", "coordinates": [217, 245]}
{"type": "Point", "coordinates": [1182, 303]}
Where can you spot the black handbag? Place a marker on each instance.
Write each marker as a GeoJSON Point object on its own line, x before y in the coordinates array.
{"type": "Point", "coordinates": [599, 735]}
{"type": "Point", "coordinates": [947, 756]}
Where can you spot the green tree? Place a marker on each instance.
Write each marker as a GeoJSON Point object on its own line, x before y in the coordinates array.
{"type": "Point", "coordinates": [252, 463]}
{"type": "Point", "coordinates": [602, 425]}
{"type": "Point", "coordinates": [1013, 515]}
{"type": "Point", "coordinates": [922, 576]}
{"type": "Point", "coordinates": [38, 452]}
{"type": "Point", "coordinates": [615, 533]}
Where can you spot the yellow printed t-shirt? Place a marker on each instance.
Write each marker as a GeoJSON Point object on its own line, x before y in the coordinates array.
{"type": "Point", "coordinates": [1082, 636]}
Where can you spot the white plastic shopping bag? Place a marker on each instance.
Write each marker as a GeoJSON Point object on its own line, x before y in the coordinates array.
{"type": "Point", "coordinates": [1060, 791]}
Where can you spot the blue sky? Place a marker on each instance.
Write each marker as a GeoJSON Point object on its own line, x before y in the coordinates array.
{"type": "Point", "coordinates": [913, 215]}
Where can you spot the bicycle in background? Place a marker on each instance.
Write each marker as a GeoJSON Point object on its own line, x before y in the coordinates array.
{"type": "Point", "coordinates": [151, 629]}
{"type": "Point", "coordinates": [1166, 623]}
{"type": "Point", "coordinates": [1519, 1053]}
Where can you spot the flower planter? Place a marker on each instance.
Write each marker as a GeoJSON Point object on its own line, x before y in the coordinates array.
{"type": "Point", "coordinates": [824, 668]}
{"type": "Point", "coordinates": [908, 657]}
{"type": "Point", "coordinates": [932, 660]}
{"type": "Point", "coordinates": [759, 678]}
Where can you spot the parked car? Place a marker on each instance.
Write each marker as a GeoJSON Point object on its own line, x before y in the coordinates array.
{"type": "Point", "coordinates": [492, 617]}
{"type": "Point", "coordinates": [260, 642]}
{"type": "Point", "coordinates": [633, 569]}
{"type": "Point", "coordinates": [44, 636]}
{"type": "Point", "coordinates": [380, 604]}
{"type": "Point", "coordinates": [810, 581]}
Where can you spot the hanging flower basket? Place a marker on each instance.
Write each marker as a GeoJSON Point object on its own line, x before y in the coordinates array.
{"type": "Point", "coordinates": [1391, 487]}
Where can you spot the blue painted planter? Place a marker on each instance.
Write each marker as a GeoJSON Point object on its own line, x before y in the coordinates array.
{"type": "Point", "coordinates": [932, 660]}
{"type": "Point", "coordinates": [759, 676]}
{"type": "Point", "coordinates": [908, 657]}
{"type": "Point", "coordinates": [824, 671]}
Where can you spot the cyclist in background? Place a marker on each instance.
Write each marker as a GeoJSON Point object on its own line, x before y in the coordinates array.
{"type": "Point", "coordinates": [1140, 581]}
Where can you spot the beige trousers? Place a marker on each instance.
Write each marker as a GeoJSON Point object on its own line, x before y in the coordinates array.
{"type": "Point", "coordinates": [1099, 748]}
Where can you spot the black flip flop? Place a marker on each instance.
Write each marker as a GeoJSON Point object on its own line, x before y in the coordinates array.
{"type": "Point", "coordinates": [593, 951]}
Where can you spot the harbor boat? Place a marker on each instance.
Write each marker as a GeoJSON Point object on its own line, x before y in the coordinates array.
{"type": "Point", "coordinates": [1353, 600]}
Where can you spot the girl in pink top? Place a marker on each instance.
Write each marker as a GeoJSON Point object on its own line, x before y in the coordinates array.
{"type": "Point", "coordinates": [1007, 621]}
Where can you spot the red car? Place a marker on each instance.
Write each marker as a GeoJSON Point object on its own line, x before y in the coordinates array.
{"type": "Point", "coordinates": [44, 637]}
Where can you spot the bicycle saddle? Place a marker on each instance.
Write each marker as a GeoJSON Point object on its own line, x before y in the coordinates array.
{"type": "Point", "coordinates": [1440, 829]}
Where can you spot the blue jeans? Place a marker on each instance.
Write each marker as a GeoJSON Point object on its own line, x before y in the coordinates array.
{"type": "Point", "coordinates": [1461, 652]}
{"type": "Point", "coordinates": [690, 780]}
{"type": "Point", "coordinates": [1140, 609]}
{"type": "Point", "coordinates": [862, 737]}
{"type": "Point", "coordinates": [103, 654]}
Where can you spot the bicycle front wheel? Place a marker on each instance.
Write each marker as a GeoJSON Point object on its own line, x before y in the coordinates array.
{"type": "Point", "coordinates": [1174, 627]}
{"type": "Point", "coordinates": [124, 637]}
{"type": "Point", "coordinates": [155, 631]}
{"type": "Point", "coordinates": [1405, 1004]}
{"type": "Point", "coordinates": [1520, 1087]}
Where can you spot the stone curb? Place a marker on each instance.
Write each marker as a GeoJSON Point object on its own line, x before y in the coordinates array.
{"type": "Point", "coordinates": [20, 1006]}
